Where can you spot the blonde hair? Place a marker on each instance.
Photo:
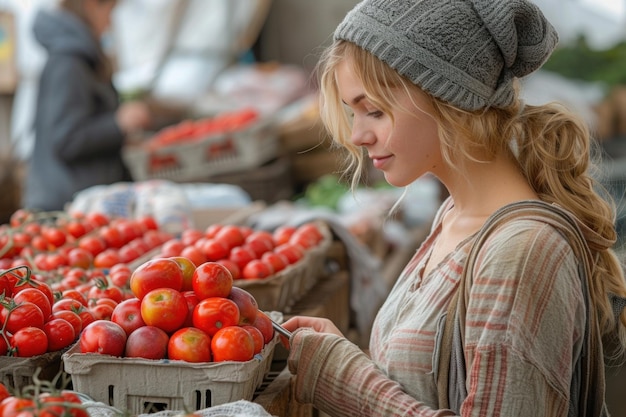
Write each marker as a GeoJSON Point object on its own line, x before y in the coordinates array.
{"type": "Point", "coordinates": [552, 145]}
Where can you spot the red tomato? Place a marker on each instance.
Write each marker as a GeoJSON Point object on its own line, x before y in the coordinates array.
{"type": "Point", "coordinates": [34, 283]}
{"type": "Point", "coordinates": [188, 267]}
{"type": "Point", "coordinates": [171, 248]}
{"type": "Point", "coordinates": [60, 333]}
{"type": "Point", "coordinates": [80, 258]}
{"type": "Point", "coordinates": [107, 258]}
{"type": "Point", "coordinates": [211, 279]}
{"type": "Point", "coordinates": [76, 228]}
{"type": "Point", "coordinates": [164, 308]}
{"type": "Point", "coordinates": [241, 255]}
{"type": "Point", "coordinates": [86, 316]}
{"type": "Point", "coordinates": [25, 314]}
{"type": "Point", "coordinates": [214, 249]}
{"type": "Point", "coordinates": [232, 343]}
{"type": "Point", "coordinates": [282, 234]}
{"type": "Point", "coordinates": [148, 222]}
{"type": "Point", "coordinates": [102, 311]}
{"type": "Point", "coordinates": [103, 336]}
{"type": "Point", "coordinates": [311, 230]}
{"type": "Point", "coordinates": [105, 289]}
{"type": "Point", "coordinates": [215, 313]}
{"type": "Point", "coordinates": [72, 318]}
{"type": "Point", "coordinates": [97, 218]}
{"type": "Point", "coordinates": [143, 244]}
{"type": "Point", "coordinates": [212, 230]}
{"type": "Point", "coordinates": [154, 238]}
{"type": "Point", "coordinates": [29, 341]}
{"type": "Point", "coordinates": [15, 406]}
{"type": "Point", "coordinates": [232, 267]}
{"type": "Point", "coordinates": [190, 236]}
{"type": "Point", "coordinates": [39, 243]}
{"type": "Point", "coordinates": [156, 273]}
{"type": "Point", "coordinates": [192, 301]}
{"type": "Point", "coordinates": [54, 236]}
{"type": "Point", "coordinates": [128, 253]}
{"type": "Point", "coordinates": [111, 236]}
{"type": "Point", "coordinates": [246, 303]}
{"type": "Point", "coordinates": [264, 324]}
{"type": "Point", "coordinates": [4, 392]}
{"type": "Point", "coordinates": [230, 235]}
{"type": "Point", "coordinates": [93, 244]}
{"type": "Point", "coordinates": [194, 254]}
{"type": "Point", "coordinates": [120, 275]}
{"type": "Point", "coordinates": [276, 260]}
{"type": "Point", "coordinates": [37, 297]}
{"type": "Point", "coordinates": [189, 344]}
{"type": "Point", "coordinates": [75, 294]}
{"type": "Point", "coordinates": [6, 286]}
{"type": "Point", "coordinates": [292, 252]}
{"type": "Point", "coordinates": [128, 315]}
{"type": "Point", "coordinates": [257, 336]}
{"type": "Point", "coordinates": [4, 345]}
{"type": "Point", "coordinates": [65, 403]}
{"type": "Point", "coordinates": [260, 242]}
{"type": "Point", "coordinates": [256, 269]}
{"type": "Point", "coordinates": [149, 342]}
{"type": "Point", "coordinates": [68, 304]}
{"type": "Point", "coordinates": [128, 229]}
{"type": "Point", "coordinates": [56, 260]}
{"type": "Point", "coordinates": [75, 276]}
{"type": "Point", "coordinates": [20, 216]}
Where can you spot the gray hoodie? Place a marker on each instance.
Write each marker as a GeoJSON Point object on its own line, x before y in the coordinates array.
{"type": "Point", "coordinates": [77, 140]}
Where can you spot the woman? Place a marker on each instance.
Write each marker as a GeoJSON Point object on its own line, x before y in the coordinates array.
{"type": "Point", "coordinates": [80, 126]}
{"type": "Point", "coordinates": [431, 87]}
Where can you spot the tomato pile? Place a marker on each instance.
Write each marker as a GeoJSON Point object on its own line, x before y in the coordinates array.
{"type": "Point", "coordinates": [194, 130]}
{"type": "Point", "coordinates": [182, 312]}
{"type": "Point", "coordinates": [43, 401]}
{"type": "Point", "coordinates": [53, 242]}
{"type": "Point", "coordinates": [58, 273]}
{"type": "Point", "coordinates": [247, 253]}
{"type": "Point", "coordinates": [68, 279]}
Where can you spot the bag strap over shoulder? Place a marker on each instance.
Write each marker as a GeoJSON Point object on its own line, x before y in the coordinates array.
{"type": "Point", "coordinates": [589, 393]}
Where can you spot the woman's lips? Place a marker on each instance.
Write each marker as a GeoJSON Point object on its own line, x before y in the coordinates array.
{"type": "Point", "coordinates": [379, 161]}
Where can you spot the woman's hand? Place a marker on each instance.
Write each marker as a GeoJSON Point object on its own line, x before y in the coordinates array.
{"type": "Point", "coordinates": [318, 324]}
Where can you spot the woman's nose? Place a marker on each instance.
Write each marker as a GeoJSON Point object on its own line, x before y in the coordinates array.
{"type": "Point", "coordinates": [361, 136]}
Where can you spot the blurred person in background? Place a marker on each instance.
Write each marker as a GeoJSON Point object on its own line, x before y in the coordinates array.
{"type": "Point", "coordinates": [80, 124]}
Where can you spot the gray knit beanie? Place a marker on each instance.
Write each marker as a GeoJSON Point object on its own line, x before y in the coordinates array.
{"type": "Point", "coordinates": [465, 52]}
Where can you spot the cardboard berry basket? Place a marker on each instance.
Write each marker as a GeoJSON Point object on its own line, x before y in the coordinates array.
{"type": "Point", "coordinates": [281, 291]}
{"type": "Point", "coordinates": [140, 386]}
{"type": "Point", "coordinates": [17, 373]}
{"type": "Point", "coordinates": [199, 159]}
{"type": "Point", "coordinates": [278, 291]}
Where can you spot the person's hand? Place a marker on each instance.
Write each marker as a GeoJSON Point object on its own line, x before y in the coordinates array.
{"type": "Point", "coordinates": [320, 325]}
{"type": "Point", "coordinates": [133, 117]}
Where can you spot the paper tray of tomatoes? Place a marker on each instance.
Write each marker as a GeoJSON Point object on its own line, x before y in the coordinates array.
{"type": "Point", "coordinates": [282, 290]}
{"type": "Point", "coordinates": [139, 385]}
{"type": "Point", "coordinates": [210, 153]}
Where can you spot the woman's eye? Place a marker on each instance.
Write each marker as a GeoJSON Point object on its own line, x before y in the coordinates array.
{"type": "Point", "coordinates": [377, 114]}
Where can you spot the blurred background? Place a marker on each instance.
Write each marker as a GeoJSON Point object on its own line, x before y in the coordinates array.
{"type": "Point", "coordinates": [212, 55]}
{"type": "Point", "coordinates": [197, 58]}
